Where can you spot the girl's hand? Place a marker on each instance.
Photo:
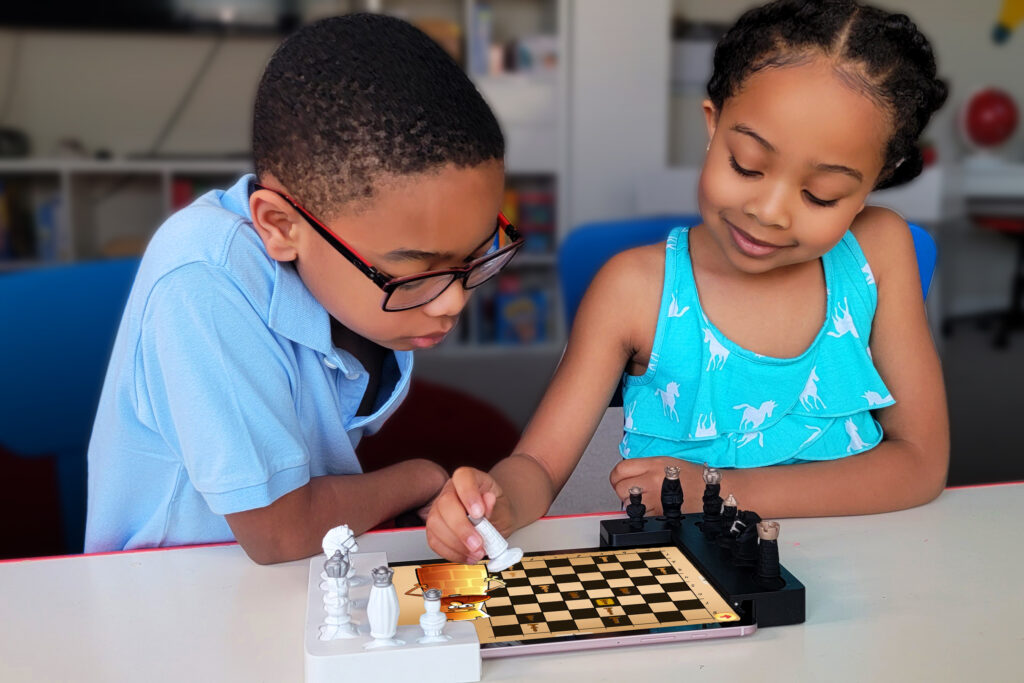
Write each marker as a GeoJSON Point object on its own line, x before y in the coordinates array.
{"type": "Point", "coordinates": [449, 531]}
{"type": "Point", "coordinates": [648, 473]}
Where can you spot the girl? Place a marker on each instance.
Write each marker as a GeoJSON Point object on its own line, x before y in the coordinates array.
{"type": "Point", "coordinates": [785, 335]}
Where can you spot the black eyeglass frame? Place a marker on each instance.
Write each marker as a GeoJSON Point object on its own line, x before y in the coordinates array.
{"type": "Point", "coordinates": [389, 284]}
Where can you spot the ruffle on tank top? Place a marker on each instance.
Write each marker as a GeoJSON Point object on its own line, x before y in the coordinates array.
{"type": "Point", "coordinates": [706, 399]}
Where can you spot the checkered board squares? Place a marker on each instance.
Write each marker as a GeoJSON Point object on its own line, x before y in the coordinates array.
{"type": "Point", "coordinates": [599, 591]}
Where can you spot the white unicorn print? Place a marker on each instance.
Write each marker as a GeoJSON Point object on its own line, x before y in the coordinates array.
{"type": "Point", "coordinates": [668, 400]}
{"type": "Point", "coordinates": [719, 354]}
{"type": "Point", "coordinates": [869, 277]}
{"type": "Point", "coordinates": [625, 446]}
{"type": "Point", "coordinates": [747, 438]}
{"type": "Point", "coordinates": [673, 308]}
{"type": "Point", "coordinates": [876, 399]}
{"type": "Point", "coordinates": [754, 417]}
{"type": "Point", "coordinates": [843, 321]}
{"type": "Point", "coordinates": [809, 398]}
{"type": "Point", "coordinates": [627, 423]}
{"type": "Point", "coordinates": [706, 425]}
{"type": "Point", "coordinates": [815, 433]}
{"type": "Point", "coordinates": [856, 443]}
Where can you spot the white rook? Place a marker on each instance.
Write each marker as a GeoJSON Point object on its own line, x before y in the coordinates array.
{"type": "Point", "coordinates": [496, 547]}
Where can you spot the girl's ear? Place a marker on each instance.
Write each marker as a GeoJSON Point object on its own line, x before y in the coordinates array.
{"type": "Point", "coordinates": [275, 223]}
{"type": "Point", "coordinates": [710, 118]}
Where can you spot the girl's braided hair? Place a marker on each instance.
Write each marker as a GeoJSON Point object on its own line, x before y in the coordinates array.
{"type": "Point", "coordinates": [884, 54]}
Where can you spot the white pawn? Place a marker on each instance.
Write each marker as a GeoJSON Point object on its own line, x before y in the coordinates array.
{"type": "Point", "coordinates": [338, 623]}
{"type": "Point", "coordinates": [382, 610]}
{"type": "Point", "coordinates": [496, 547]}
{"type": "Point", "coordinates": [432, 621]}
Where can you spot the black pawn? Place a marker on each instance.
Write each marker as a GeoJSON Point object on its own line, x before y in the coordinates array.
{"type": "Point", "coordinates": [744, 551]}
{"type": "Point", "coordinates": [728, 515]}
{"type": "Point", "coordinates": [766, 572]}
{"type": "Point", "coordinates": [636, 509]}
{"type": "Point", "coordinates": [672, 496]}
{"type": "Point", "coordinates": [712, 499]}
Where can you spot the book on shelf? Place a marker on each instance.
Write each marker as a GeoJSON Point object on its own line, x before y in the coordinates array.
{"type": "Point", "coordinates": [516, 311]}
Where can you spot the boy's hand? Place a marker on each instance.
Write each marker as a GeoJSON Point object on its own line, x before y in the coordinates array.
{"type": "Point", "coordinates": [449, 531]}
{"type": "Point", "coordinates": [648, 473]}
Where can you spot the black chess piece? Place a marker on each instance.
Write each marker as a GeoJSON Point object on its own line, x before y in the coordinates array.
{"type": "Point", "coordinates": [728, 515]}
{"type": "Point", "coordinates": [711, 526]}
{"type": "Point", "coordinates": [636, 509]}
{"type": "Point", "coordinates": [766, 573]}
{"type": "Point", "coordinates": [672, 496]}
{"type": "Point", "coordinates": [744, 550]}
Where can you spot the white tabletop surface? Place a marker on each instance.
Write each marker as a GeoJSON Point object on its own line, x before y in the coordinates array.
{"type": "Point", "coordinates": [929, 594]}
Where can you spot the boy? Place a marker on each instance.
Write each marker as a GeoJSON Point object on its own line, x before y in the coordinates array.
{"type": "Point", "coordinates": [257, 345]}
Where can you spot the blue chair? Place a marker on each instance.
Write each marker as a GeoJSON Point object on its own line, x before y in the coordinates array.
{"type": "Point", "coordinates": [591, 245]}
{"type": "Point", "coordinates": [59, 324]}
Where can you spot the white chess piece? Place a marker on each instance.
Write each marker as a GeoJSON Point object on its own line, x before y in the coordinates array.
{"type": "Point", "coordinates": [338, 623]}
{"type": "Point", "coordinates": [432, 621]}
{"type": "Point", "coordinates": [341, 538]}
{"type": "Point", "coordinates": [382, 609]}
{"type": "Point", "coordinates": [496, 547]}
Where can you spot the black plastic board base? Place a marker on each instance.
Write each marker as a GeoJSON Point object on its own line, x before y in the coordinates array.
{"type": "Point", "coordinates": [770, 607]}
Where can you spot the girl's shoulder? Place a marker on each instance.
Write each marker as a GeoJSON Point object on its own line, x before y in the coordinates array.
{"type": "Point", "coordinates": [628, 290]}
{"type": "Point", "coordinates": [634, 271]}
{"type": "Point", "coordinates": [885, 239]}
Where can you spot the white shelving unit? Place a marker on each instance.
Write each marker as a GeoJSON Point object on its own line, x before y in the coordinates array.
{"type": "Point", "coordinates": [104, 200]}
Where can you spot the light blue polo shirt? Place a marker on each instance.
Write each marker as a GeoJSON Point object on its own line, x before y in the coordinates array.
{"type": "Point", "coordinates": [224, 391]}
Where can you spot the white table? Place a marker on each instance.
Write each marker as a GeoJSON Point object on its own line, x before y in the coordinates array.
{"type": "Point", "coordinates": [934, 593]}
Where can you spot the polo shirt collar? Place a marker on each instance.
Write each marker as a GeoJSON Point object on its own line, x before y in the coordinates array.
{"type": "Point", "coordinates": [294, 312]}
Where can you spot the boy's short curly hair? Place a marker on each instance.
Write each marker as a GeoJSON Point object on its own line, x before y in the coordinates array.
{"type": "Point", "coordinates": [347, 100]}
{"type": "Point", "coordinates": [884, 54]}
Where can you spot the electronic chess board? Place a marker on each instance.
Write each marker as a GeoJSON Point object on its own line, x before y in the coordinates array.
{"type": "Point", "coordinates": [653, 579]}
{"type": "Point", "coordinates": [569, 594]}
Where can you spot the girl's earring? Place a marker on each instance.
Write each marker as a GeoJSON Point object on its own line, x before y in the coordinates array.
{"type": "Point", "coordinates": [708, 148]}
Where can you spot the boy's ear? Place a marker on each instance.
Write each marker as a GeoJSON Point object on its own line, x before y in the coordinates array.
{"type": "Point", "coordinates": [274, 221]}
{"type": "Point", "coordinates": [710, 118]}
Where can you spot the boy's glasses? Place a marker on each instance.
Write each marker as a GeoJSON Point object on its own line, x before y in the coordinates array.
{"type": "Point", "coordinates": [410, 291]}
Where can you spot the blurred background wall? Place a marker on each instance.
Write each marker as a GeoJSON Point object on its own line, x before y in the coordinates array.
{"type": "Point", "coordinates": [113, 116]}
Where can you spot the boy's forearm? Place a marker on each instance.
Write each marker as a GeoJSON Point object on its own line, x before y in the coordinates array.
{"type": "Point", "coordinates": [293, 526]}
{"type": "Point", "coordinates": [892, 476]}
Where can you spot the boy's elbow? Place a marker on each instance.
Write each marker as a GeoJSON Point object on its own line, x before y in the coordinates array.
{"type": "Point", "coordinates": [270, 551]}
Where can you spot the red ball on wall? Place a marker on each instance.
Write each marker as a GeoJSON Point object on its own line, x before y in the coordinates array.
{"type": "Point", "coordinates": [990, 117]}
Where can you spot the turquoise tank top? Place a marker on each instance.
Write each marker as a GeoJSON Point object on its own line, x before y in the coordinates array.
{"type": "Point", "coordinates": [705, 399]}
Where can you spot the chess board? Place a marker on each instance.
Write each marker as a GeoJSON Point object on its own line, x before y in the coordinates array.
{"type": "Point", "coordinates": [574, 593]}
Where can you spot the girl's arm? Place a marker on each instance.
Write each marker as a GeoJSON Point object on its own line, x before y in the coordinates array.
{"type": "Point", "coordinates": [622, 300]}
{"type": "Point", "coordinates": [909, 467]}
